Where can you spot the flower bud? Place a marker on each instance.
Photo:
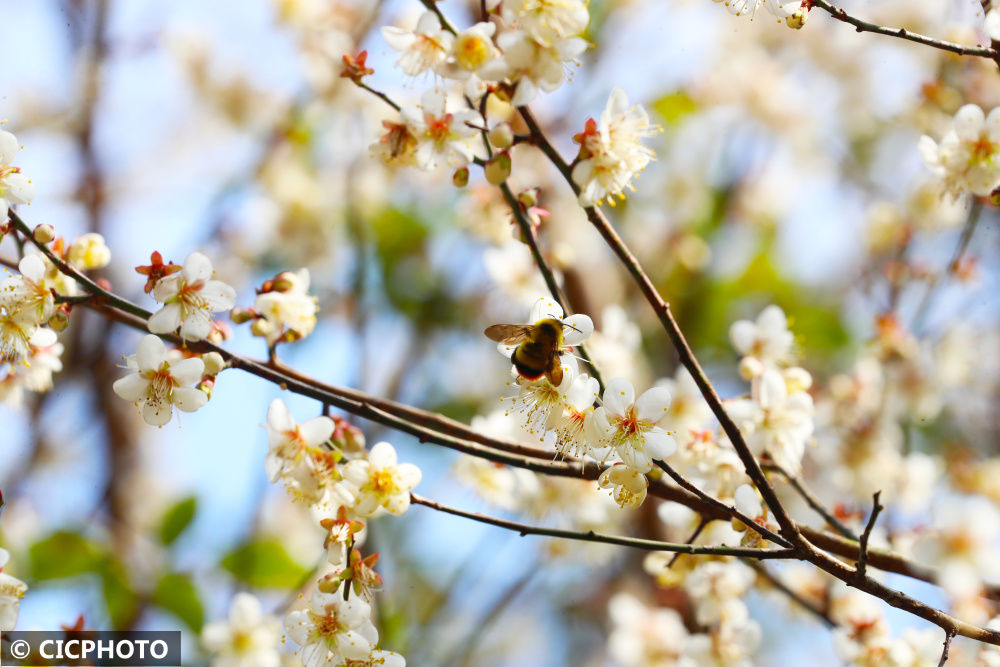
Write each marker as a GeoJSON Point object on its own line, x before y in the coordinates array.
{"type": "Point", "coordinates": [213, 363]}
{"type": "Point", "coordinates": [528, 198]}
{"type": "Point", "coordinates": [461, 177]}
{"type": "Point", "coordinates": [498, 168]}
{"type": "Point", "coordinates": [751, 367]}
{"type": "Point", "coordinates": [261, 328]}
{"type": "Point", "coordinates": [241, 315]}
{"type": "Point", "coordinates": [798, 19]}
{"type": "Point", "coordinates": [994, 197]}
{"type": "Point", "coordinates": [329, 583]}
{"type": "Point", "coordinates": [59, 321]}
{"type": "Point", "coordinates": [502, 136]}
{"type": "Point", "coordinates": [283, 282]}
{"type": "Point", "coordinates": [44, 234]}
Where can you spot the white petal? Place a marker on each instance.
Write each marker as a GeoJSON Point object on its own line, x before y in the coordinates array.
{"type": "Point", "coordinates": [397, 38]}
{"type": "Point", "coordinates": [32, 267]}
{"type": "Point", "coordinates": [278, 416]}
{"type": "Point", "coordinates": [382, 455]}
{"type": "Point", "coordinates": [742, 334]}
{"type": "Point", "coordinates": [189, 399]}
{"type": "Point", "coordinates": [577, 329]}
{"type": "Point", "coordinates": [771, 389]}
{"type": "Point", "coordinates": [157, 412]}
{"type": "Point", "coordinates": [659, 444]}
{"type": "Point", "coordinates": [397, 504]}
{"type": "Point", "coordinates": [151, 354]}
{"type": "Point", "coordinates": [43, 337]}
{"type": "Point", "coordinates": [187, 371]}
{"type": "Point", "coordinates": [166, 319]}
{"type": "Point", "coordinates": [18, 188]}
{"type": "Point", "coordinates": [8, 147]}
{"type": "Point", "coordinates": [219, 295]}
{"type": "Point", "coordinates": [197, 326]}
{"type": "Point", "coordinates": [619, 396]}
{"type": "Point", "coordinates": [545, 307]}
{"type": "Point", "coordinates": [653, 404]}
{"type": "Point", "coordinates": [316, 431]}
{"type": "Point", "coordinates": [409, 475]}
{"type": "Point", "coordinates": [746, 501]}
{"type": "Point", "coordinates": [969, 122]}
{"type": "Point", "coordinates": [197, 267]}
{"type": "Point", "coordinates": [132, 387]}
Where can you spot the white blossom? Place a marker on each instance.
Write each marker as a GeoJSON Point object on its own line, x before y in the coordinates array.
{"type": "Point", "coordinates": [612, 153]}
{"type": "Point", "coordinates": [15, 187]}
{"type": "Point", "coordinates": [89, 251]}
{"type": "Point", "coordinates": [440, 134]}
{"type": "Point", "coordinates": [628, 486]}
{"type": "Point", "coordinates": [156, 384]}
{"type": "Point", "coordinates": [248, 638]}
{"type": "Point", "coordinates": [332, 630]}
{"type": "Point", "coordinates": [531, 65]}
{"type": "Point", "coordinates": [766, 339]}
{"type": "Point", "coordinates": [189, 298]}
{"type": "Point", "coordinates": [296, 455]}
{"type": "Point", "coordinates": [547, 21]}
{"type": "Point", "coordinates": [12, 591]}
{"type": "Point", "coordinates": [290, 310]}
{"type": "Point", "coordinates": [629, 425]}
{"type": "Point", "coordinates": [380, 481]}
{"type": "Point", "coordinates": [424, 48]}
{"type": "Point", "coordinates": [968, 156]}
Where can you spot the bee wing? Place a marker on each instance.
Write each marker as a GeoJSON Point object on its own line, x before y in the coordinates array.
{"type": "Point", "coordinates": [509, 334]}
{"type": "Point", "coordinates": [555, 371]}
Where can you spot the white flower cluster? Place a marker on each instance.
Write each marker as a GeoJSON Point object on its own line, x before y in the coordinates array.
{"type": "Point", "coordinates": [643, 636]}
{"type": "Point", "coordinates": [777, 419]}
{"type": "Point", "coordinates": [12, 591]}
{"type": "Point", "coordinates": [967, 159]}
{"type": "Point", "coordinates": [324, 463]}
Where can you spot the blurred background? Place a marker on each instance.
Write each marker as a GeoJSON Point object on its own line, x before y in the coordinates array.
{"type": "Point", "coordinates": [787, 173]}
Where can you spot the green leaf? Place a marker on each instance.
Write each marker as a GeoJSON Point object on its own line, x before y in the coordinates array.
{"type": "Point", "coordinates": [673, 107]}
{"type": "Point", "coordinates": [264, 563]}
{"type": "Point", "coordinates": [120, 599]}
{"type": "Point", "coordinates": [64, 554]}
{"type": "Point", "coordinates": [177, 519]}
{"type": "Point", "coordinates": [177, 594]}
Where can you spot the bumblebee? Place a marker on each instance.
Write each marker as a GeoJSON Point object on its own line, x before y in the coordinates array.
{"type": "Point", "coordinates": [537, 351]}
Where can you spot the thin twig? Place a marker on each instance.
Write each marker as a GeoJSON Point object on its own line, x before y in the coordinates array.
{"type": "Point", "coordinates": [431, 5]}
{"type": "Point", "coordinates": [694, 536]}
{"type": "Point", "coordinates": [590, 536]}
{"type": "Point", "coordinates": [776, 581]}
{"type": "Point", "coordinates": [948, 636]}
{"type": "Point", "coordinates": [813, 501]}
{"type": "Point", "coordinates": [903, 33]}
{"type": "Point", "coordinates": [863, 550]}
{"type": "Point", "coordinates": [731, 511]}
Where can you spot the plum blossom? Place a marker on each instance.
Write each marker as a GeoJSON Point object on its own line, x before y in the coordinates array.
{"type": "Point", "coordinates": [15, 187]}
{"type": "Point", "coordinates": [424, 48]}
{"type": "Point", "coordinates": [288, 307]}
{"type": "Point", "coordinates": [531, 65]}
{"type": "Point", "coordinates": [157, 384]}
{"type": "Point", "coordinates": [332, 630]}
{"type": "Point", "coordinates": [968, 156]}
{"type": "Point", "coordinates": [628, 486]}
{"type": "Point", "coordinates": [12, 591]}
{"type": "Point", "coordinates": [248, 638]}
{"type": "Point", "coordinates": [189, 298]}
{"type": "Point", "coordinates": [380, 481]}
{"type": "Point", "coordinates": [961, 545]}
{"type": "Point", "coordinates": [643, 636]}
{"type": "Point", "coordinates": [440, 134]}
{"type": "Point", "coordinates": [573, 428]}
{"type": "Point", "coordinates": [629, 425]}
{"type": "Point", "coordinates": [89, 251]}
{"type": "Point", "coordinates": [767, 339]}
{"type": "Point", "coordinates": [296, 454]}
{"type": "Point", "coordinates": [547, 21]}
{"type": "Point", "coordinates": [611, 151]}
{"type": "Point", "coordinates": [27, 297]}
{"type": "Point", "coordinates": [472, 51]}
{"type": "Point", "coordinates": [778, 417]}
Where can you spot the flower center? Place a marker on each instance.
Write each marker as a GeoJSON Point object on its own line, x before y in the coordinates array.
{"type": "Point", "coordinates": [472, 52]}
{"type": "Point", "coordinates": [384, 482]}
{"type": "Point", "coordinates": [438, 129]}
